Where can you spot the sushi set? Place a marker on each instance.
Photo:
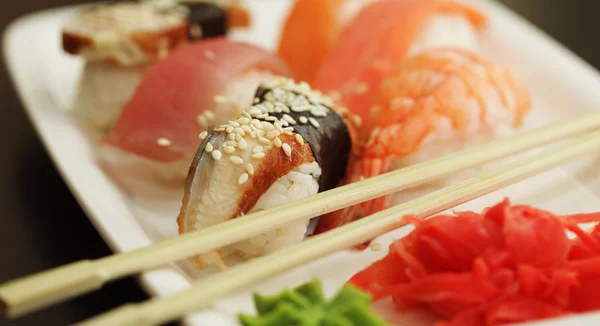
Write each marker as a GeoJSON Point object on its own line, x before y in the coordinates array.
{"type": "Point", "coordinates": [334, 162]}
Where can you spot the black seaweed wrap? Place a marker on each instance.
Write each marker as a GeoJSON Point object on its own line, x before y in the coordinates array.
{"type": "Point", "coordinates": [211, 18]}
{"type": "Point", "coordinates": [330, 142]}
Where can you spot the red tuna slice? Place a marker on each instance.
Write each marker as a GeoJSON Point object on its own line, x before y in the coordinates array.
{"type": "Point", "coordinates": [174, 92]}
{"type": "Point", "coordinates": [375, 43]}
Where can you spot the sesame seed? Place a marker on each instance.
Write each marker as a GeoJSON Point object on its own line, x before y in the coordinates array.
{"type": "Point", "coordinates": [234, 123]}
{"type": "Point", "coordinates": [255, 121]}
{"type": "Point", "coordinates": [231, 143]}
{"type": "Point", "coordinates": [255, 111]}
{"type": "Point", "coordinates": [220, 99]}
{"type": "Point", "coordinates": [278, 109]}
{"type": "Point", "coordinates": [262, 116]}
{"type": "Point", "coordinates": [239, 131]}
{"type": "Point", "coordinates": [288, 129]}
{"type": "Point", "coordinates": [250, 168]}
{"type": "Point", "coordinates": [289, 133]}
{"type": "Point", "coordinates": [243, 178]}
{"type": "Point", "coordinates": [335, 96]}
{"type": "Point", "coordinates": [268, 126]}
{"type": "Point", "coordinates": [362, 88]}
{"type": "Point", "coordinates": [272, 134]}
{"type": "Point", "coordinates": [216, 155]}
{"type": "Point", "coordinates": [277, 142]}
{"type": "Point", "coordinates": [210, 115]}
{"type": "Point", "coordinates": [243, 121]}
{"type": "Point", "coordinates": [196, 31]}
{"type": "Point", "coordinates": [163, 142]}
{"type": "Point", "coordinates": [287, 150]}
{"type": "Point", "coordinates": [260, 133]}
{"type": "Point", "coordinates": [263, 140]}
{"type": "Point", "coordinates": [269, 105]}
{"type": "Point", "coordinates": [313, 122]}
{"type": "Point", "coordinates": [253, 127]}
{"type": "Point", "coordinates": [303, 119]}
{"type": "Point", "coordinates": [299, 139]}
{"type": "Point", "coordinates": [271, 118]}
{"type": "Point", "coordinates": [203, 135]}
{"type": "Point", "coordinates": [246, 129]}
{"type": "Point", "coordinates": [253, 134]}
{"type": "Point", "coordinates": [375, 246]}
{"type": "Point", "coordinates": [238, 137]}
{"type": "Point", "coordinates": [208, 148]}
{"type": "Point", "coordinates": [242, 144]}
{"type": "Point", "coordinates": [209, 54]}
{"type": "Point", "coordinates": [289, 119]}
{"type": "Point", "coordinates": [258, 155]}
{"type": "Point", "coordinates": [284, 123]}
{"type": "Point", "coordinates": [259, 126]}
{"type": "Point", "coordinates": [257, 149]}
{"type": "Point", "coordinates": [277, 125]}
{"type": "Point", "coordinates": [255, 100]}
{"type": "Point", "coordinates": [231, 136]}
{"type": "Point", "coordinates": [229, 129]}
{"type": "Point", "coordinates": [202, 121]}
{"type": "Point", "coordinates": [228, 149]}
{"type": "Point", "coordinates": [219, 129]}
{"type": "Point", "coordinates": [236, 160]}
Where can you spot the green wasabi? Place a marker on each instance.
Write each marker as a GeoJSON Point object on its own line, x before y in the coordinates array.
{"type": "Point", "coordinates": [306, 306]}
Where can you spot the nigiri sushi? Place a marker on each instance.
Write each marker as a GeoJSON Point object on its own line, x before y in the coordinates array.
{"type": "Point", "coordinates": [290, 144]}
{"type": "Point", "coordinates": [383, 35]}
{"type": "Point", "coordinates": [203, 83]}
{"type": "Point", "coordinates": [119, 41]}
{"type": "Point", "coordinates": [439, 101]}
{"type": "Point", "coordinates": [344, 26]}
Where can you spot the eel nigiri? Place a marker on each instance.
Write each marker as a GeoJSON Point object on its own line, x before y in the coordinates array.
{"type": "Point", "coordinates": [438, 102]}
{"type": "Point", "coordinates": [290, 144]}
{"type": "Point", "coordinates": [199, 84]}
{"type": "Point", "coordinates": [118, 41]}
{"type": "Point", "coordinates": [382, 36]}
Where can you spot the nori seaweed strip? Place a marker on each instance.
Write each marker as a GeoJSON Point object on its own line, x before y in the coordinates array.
{"type": "Point", "coordinates": [210, 18]}
{"type": "Point", "coordinates": [330, 142]}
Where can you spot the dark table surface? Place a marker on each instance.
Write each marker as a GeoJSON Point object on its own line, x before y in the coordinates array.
{"type": "Point", "coordinates": [42, 226]}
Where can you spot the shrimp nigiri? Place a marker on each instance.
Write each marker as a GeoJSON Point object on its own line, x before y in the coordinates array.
{"type": "Point", "coordinates": [438, 102]}
{"type": "Point", "coordinates": [382, 36]}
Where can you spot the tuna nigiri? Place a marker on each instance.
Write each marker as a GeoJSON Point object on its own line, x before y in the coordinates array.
{"type": "Point", "coordinates": [198, 85]}
{"type": "Point", "coordinates": [382, 36]}
{"type": "Point", "coordinates": [439, 101]}
{"type": "Point", "coordinates": [118, 41]}
{"type": "Point", "coordinates": [288, 145]}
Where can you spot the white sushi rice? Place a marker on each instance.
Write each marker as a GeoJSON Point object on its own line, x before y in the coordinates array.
{"type": "Point", "coordinates": [104, 89]}
{"type": "Point", "coordinates": [446, 30]}
{"type": "Point", "coordinates": [300, 183]}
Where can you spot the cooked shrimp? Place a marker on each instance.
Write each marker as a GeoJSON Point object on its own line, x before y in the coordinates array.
{"type": "Point", "coordinates": [437, 101]}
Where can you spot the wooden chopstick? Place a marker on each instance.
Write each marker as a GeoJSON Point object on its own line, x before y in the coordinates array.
{"type": "Point", "coordinates": [40, 290]}
{"type": "Point", "coordinates": [203, 292]}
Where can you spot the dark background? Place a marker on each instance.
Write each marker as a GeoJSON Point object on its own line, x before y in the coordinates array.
{"type": "Point", "coordinates": [42, 226]}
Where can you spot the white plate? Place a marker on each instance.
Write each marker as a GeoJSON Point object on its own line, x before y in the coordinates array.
{"type": "Point", "coordinates": [562, 85]}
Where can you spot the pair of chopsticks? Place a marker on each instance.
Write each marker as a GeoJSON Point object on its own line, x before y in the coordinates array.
{"type": "Point", "coordinates": [37, 291]}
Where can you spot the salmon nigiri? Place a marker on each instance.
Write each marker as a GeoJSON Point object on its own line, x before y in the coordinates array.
{"type": "Point", "coordinates": [386, 33]}
{"type": "Point", "coordinates": [198, 85]}
{"type": "Point", "coordinates": [310, 31]}
{"type": "Point", "coordinates": [439, 101]}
